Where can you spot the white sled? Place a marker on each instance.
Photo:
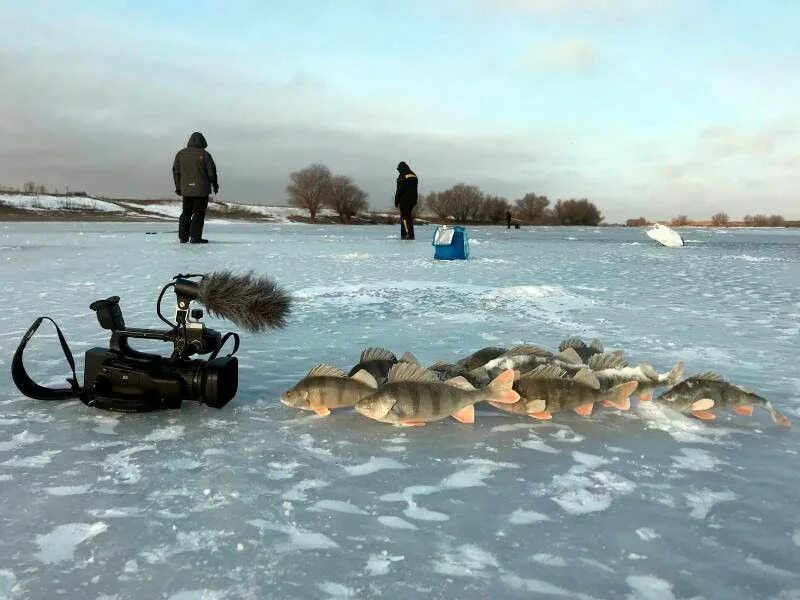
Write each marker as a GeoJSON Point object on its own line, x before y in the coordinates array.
{"type": "Point", "coordinates": [665, 236]}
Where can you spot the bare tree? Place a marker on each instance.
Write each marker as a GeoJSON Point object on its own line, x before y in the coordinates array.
{"type": "Point", "coordinates": [463, 200]}
{"type": "Point", "coordinates": [493, 209]}
{"type": "Point", "coordinates": [777, 221]}
{"type": "Point", "coordinates": [310, 188]}
{"type": "Point", "coordinates": [720, 219]}
{"type": "Point", "coordinates": [438, 204]}
{"type": "Point", "coordinates": [577, 212]}
{"type": "Point", "coordinates": [532, 208]}
{"type": "Point", "coordinates": [679, 221]}
{"type": "Point", "coordinates": [346, 198]}
{"type": "Point", "coordinates": [29, 187]}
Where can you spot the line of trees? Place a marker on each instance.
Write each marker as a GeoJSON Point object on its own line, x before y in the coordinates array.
{"type": "Point", "coordinates": [720, 219]}
{"type": "Point", "coordinates": [315, 187]}
{"type": "Point", "coordinates": [464, 203]}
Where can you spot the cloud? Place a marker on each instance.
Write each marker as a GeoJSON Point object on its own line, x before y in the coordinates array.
{"type": "Point", "coordinates": [569, 55]}
{"type": "Point", "coordinates": [571, 8]}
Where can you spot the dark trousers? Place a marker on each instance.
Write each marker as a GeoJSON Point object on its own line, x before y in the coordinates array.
{"type": "Point", "coordinates": [406, 223]}
{"type": "Point", "coordinates": [190, 225]}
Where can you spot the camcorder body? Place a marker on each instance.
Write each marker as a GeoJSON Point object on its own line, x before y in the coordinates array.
{"type": "Point", "coordinates": [120, 378]}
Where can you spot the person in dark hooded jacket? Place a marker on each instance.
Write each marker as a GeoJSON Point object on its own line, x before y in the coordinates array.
{"type": "Point", "coordinates": [195, 176]}
{"type": "Point", "coordinates": [405, 198]}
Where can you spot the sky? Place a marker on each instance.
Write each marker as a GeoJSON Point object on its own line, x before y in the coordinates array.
{"type": "Point", "coordinates": [647, 107]}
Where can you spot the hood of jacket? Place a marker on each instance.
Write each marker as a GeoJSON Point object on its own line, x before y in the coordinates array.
{"type": "Point", "coordinates": [197, 140]}
{"type": "Point", "coordinates": [403, 168]}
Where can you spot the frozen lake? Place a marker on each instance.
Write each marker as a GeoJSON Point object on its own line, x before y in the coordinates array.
{"type": "Point", "coordinates": [258, 500]}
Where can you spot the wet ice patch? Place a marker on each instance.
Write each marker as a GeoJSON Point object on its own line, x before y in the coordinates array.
{"type": "Point", "coordinates": [702, 501]}
{"type": "Point", "coordinates": [419, 513]}
{"type": "Point", "coordinates": [395, 522]}
{"type": "Point", "coordinates": [649, 587]}
{"type": "Point", "coordinates": [373, 465]}
{"type": "Point", "coordinates": [170, 432]}
{"type": "Point", "coordinates": [60, 544]}
{"type": "Point", "coordinates": [550, 560]}
{"type": "Point", "coordinates": [297, 493]}
{"type": "Point", "coordinates": [204, 540]}
{"type": "Point", "coordinates": [67, 490]}
{"type": "Point", "coordinates": [38, 461]}
{"type": "Point", "coordinates": [591, 461]}
{"type": "Point", "coordinates": [279, 471]}
{"type": "Point", "coordinates": [122, 465]}
{"type": "Point", "coordinates": [378, 564]}
{"type": "Point", "coordinates": [647, 534]}
{"type": "Point", "coordinates": [203, 594]}
{"type": "Point", "coordinates": [526, 517]}
{"type": "Point", "coordinates": [299, 539]}
{"type": "Point", "coordinates": [466, 561]}
{"type": "Point", "coordinates": [24, 438]}
{"type": "Point", "coordinates": [539, 587]}
{"type": "Point", "coordinates": [7, 581]}
{"type": "Point", "coordinates": [694, 459]}
{"type": "Point", "coordinates": [337, 506]}
{"type": "Point", "coordinates": [337, 590]}
{"type": "Point", "coordinates": [581, 490]}
{"type": "Point", "coordinates": [539, 446]}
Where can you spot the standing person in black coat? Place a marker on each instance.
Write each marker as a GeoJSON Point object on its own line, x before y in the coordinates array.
{"type": "Point", "coordinates": [195, 175]}
{"type": "Point", "coordinates": [405, 198]}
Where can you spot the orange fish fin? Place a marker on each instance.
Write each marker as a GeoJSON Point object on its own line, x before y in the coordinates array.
{"type": "Point", "coordinates": [322, 411]}
{"type": "Point", "coordinates": [541, 416]}
{"type": "Point", "coordinates": [624, 404]}
{"type": "Point", "coordinates": [607, 404]}
{"type": "Point", "coordinates": [745, 411]}
{"type": "Point", "coordinates": [506, 397]}
{"type": "Point", "coordinates": [465, 415]}
{"type": "Point", "coordinates": [584, 410]}
{"type": "Point", "coordinates": [411, 424]}
{"type": "Point", "coordinates": [646, 397]}
{"type": "Point", "coordinates": [704, 415]}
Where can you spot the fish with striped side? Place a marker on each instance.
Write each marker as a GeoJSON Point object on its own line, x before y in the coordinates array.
{"type": "Point", "coordinates": [327, 387]}
{"type": "Point", "coordinates": [548, 389]}
{"type": "Point", "coordinates": [705, 393]}
{"type": "Point", "coordinates": [415, 396]}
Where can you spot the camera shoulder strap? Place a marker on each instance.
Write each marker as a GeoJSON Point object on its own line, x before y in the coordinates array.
{"type": "Point", "coordinates": [27, 386]}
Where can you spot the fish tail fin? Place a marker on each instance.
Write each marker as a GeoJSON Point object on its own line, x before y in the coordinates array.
{"type": "Point", "coordinates": [780, 419]}
{"type": "Point", "coordinates": [500, 389]}
{"type": "Point", "coordinates": [675, 376]}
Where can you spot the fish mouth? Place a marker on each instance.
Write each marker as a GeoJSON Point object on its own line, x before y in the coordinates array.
{"type": "Point", "coordinates": [294, 400]}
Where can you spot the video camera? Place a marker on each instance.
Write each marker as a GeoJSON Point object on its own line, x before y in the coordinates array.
{"type": "Point", "coordinates": [122, 379]}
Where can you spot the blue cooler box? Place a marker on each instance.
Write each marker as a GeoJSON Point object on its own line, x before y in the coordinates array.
{"type": "Point", "coordinates": [450, 243]}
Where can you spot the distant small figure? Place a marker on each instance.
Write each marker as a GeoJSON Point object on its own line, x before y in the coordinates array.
{"type": "Point", "coordinates": [508, 219]}
{"type": "Point", "coordinates": [195, 175]}
{"type": "Point", "coordinates": [405, 198]}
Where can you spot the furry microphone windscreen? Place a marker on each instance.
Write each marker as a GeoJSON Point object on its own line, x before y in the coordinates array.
{"type": "Point", "coordinates": [253, 303]}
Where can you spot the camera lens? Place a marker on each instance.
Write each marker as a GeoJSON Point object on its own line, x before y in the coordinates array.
{"type": "Point", "coordinates": [219, 380]}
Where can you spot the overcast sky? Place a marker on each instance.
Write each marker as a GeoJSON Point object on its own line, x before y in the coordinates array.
{"type": "Point", "coordinates": [650, 107]}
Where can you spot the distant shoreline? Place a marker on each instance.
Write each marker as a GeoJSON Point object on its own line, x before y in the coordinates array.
{"type": "Point", "coordinates": [22, 207]}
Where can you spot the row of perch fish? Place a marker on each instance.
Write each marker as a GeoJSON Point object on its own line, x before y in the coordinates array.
{"type": "Point", "coordinates": [525, 380]}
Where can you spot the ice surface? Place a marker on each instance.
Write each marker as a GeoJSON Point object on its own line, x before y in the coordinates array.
{"type": "Point", "coordinates": [259, 500]}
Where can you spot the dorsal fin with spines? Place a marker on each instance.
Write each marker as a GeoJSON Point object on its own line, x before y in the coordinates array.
{"type": "Point", "coordinates": [706, 376]}
{"type": "Point", "coordinates": [404, 371]}
{"type": "Point", "coordinates": [528, 349]}
{"type": "Point", "coordinates": [607, 360]}
{"type": "Point", "coordinates": [377, 354]}
{"type": "Point", "coordinates": [323, 370]}
{"type": "Point", "coordinates": [545, 372]}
